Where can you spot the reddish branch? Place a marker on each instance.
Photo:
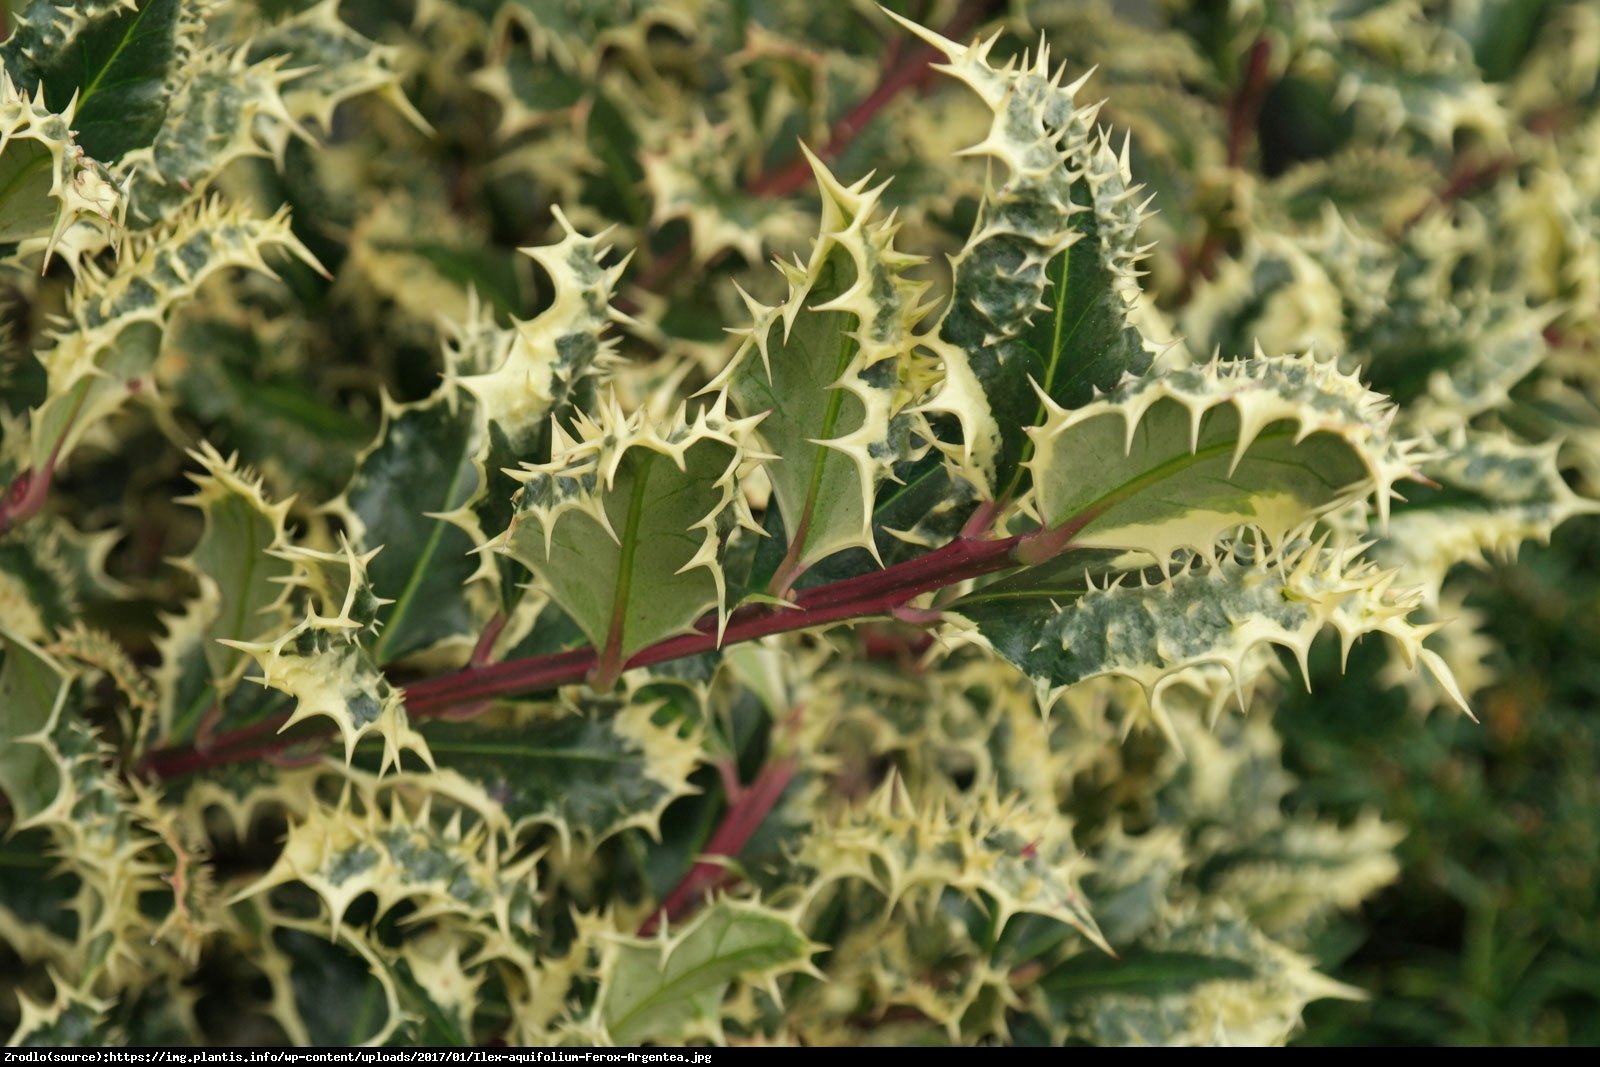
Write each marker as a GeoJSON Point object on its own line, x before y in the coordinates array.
{"type": "Point", "coordinates": [1244, 116]}
{"type": "Point", "coordinates": [748, 811]}
{"type": "Point", "coordinates": [911, 71]}
{"type": "Point", "coordinates": [879, 593]}
{"type": "Point", "coordinates": [1245, 113]}
{"type": "Point", "coordinates": [900, 73]}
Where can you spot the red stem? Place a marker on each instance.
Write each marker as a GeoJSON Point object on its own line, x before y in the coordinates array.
{"type": "Point", "coordinates": [1246, 109]}
{"type": "Point", "coordinates": [748, 812]}
{"type": "Point", "coordinates": [900, 73]}
{"type": "Point", "coordinates": [911, 71]}
{"type": "Point", "coordinates": [1244, 114]}
{"type": "Point", "coordinates": [27, 492]}
{"type": "Point", "coordinates": [878, 593]}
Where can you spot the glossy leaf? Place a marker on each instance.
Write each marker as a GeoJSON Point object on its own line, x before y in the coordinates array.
{"type": "Point", "coordinates": [829, 368]}
{"type": "Point", "coordinates": [1047, 281]}
{"type": "Point", "coordinates": [623, 525]}
{"type": "Point", "coordinates": [420, 466]}
{"type": "Point", "coordinates": [670, 989]}
{"type": "Point", "coordinates": [1065, 631]}
{"type": "Point", "coordinates": [586, 776]}
{"type": "Point", "coordinates": [1173, 462]}
{"type": "Point", "coordinates": [33, 691]}
{"type": "Point", "coordinates": [114, 56]}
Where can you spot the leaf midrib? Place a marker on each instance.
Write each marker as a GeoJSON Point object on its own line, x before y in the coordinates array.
{"type": "Point", "coordinates": [820, 452]}
{"type": "Point", "coordinates": [430, 548]}
{"type": "Point", "coordinates": [116, 54]}
{"type": "Point", "coordinates": [659, 993]}
{"type": "Point", "coordinates": [1156, 474]}
{"type": "Point", "coordinates": [1057, 346]}
{"type": "Point", "coordinates": [629, 549]}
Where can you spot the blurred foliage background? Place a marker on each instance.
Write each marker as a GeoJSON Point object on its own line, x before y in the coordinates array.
{"type": "Point", "coordinates": [1491, 934]}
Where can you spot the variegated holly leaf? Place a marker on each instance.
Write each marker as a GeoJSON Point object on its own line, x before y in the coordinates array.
{"type": "Point", "coordinates": [242, 595]}
{"type": "Point", "coordinates": [33, 691]}
{"type": "Point", "coordinates": [1045, 285]}
{"type": "Point", "coordinates": [250, 101]}
{"type": "Point", "coordinates": [57, 774]}
{"type": "Point", "coordinates": [48, 572]}
{"type": "Point", "coordinates": [1199, 979]}
{"type": "Point", "coordinates": [332, 63]}
{"type": "Point", "coordinates": [1063, 628]}
{"type": "Point", "coordinates": [1172, 462]}
{"type": "Point", "coordinates": [47, 182]}
{"type": "Point", "coordinates": [694, 175]}
{"type": "Point", "coordinates": [108, 345]}
{"type": "Point", "coordinates": [830, 367]}
{"type": "Point", "coordinates": [117, 58]}
{"type": "Point", "coordinates": [1495, 494]}
{"type": "Point", "coordinates": [587, 776]}
{"type": "Point", "coordinates": [219, 112]}
{"type": "Point", "coordinates": [421, 466]}
{"type": "Point", "coordinates": [448, 870]}
{"type": "Point", "coordinates": [669, 989]}
{"type": "Point", "coordinates": [523, 376]}
{"type": "Point", "coordinates": [355, 1002]}
{"type": "Point", "coordinates": [325, 661]}
{"type": "Point", "coordinates": [73, 1018]}
{"type": "Point", "coordinates": [623, 527]}
{"type": "Point", "coordinates": [1498, 351]}
{"type": "Point", "coordinates": [225, 368]}
{"type": "Point", "coordinates": [577, 34]}
{"type": "Point", "coordinates": [1012, 860]}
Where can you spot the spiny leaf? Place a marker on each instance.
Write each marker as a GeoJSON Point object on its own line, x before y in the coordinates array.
{"type": "Point", "coordinates": [1014, 860]}
{"type": "Point", "coordinates": [47, 182]}
{"type": "Point", "coordinates": [450, 872]}
{"type": "Point", "coordinates": [830, 367]}
{"type": "Point", "coordinates": [579, 33]}
{"type": "Point", "coordinates": [325, 662]}
{"type": "Point", "coordinates": [33, 691]}
{"type": "Point", "coordinates": [1496, 494]}
{"type": "Point", "coordinates": [623, 525]}
{"type": "Point", "coordinates": [226, 367]}
{"type": "Point", "coordinates": [1046, 282]}
{"type": "Point", "coordinates": [48, 572]}
{"type": "Point", "coordinates": [242, 596]}
{"type": "Point", "coordinates": [219, 111]}
{"type": "Point", "coordinates": [352, 999]}
{"type": "Point", "coordinates": [1198, 980]}
{"type": "Point", "coordinates": [55, 771]}
{"type": "Point", "coordinates": [113, 56]}
{"type": "Point", "coordinates": [418, 468]}
{"type": "Point", "coordinates": [1172, 462]}
{"type": "Point", "coordinates": [1152, 633]}
{"type": "Point", "coordinates": [670, 989]}
{"type": "Point", "coordinates": [332, 63]}
{"type": "Point", "coordinates": [587, 776]}
{"type": "Point", "coordinates": [694, 176]}
{"type": "Point", "coordinates": [114, 323]}
{"type": "Point", "coordinates": [1504, 347]}
{"type": "Point", "coordinates": [74, 1018]}
{"type": "Point", "coordinates": [523, 376]}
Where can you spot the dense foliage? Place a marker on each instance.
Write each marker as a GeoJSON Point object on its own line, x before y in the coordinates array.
{"type": "Point", "coordinates": [514, 533]}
